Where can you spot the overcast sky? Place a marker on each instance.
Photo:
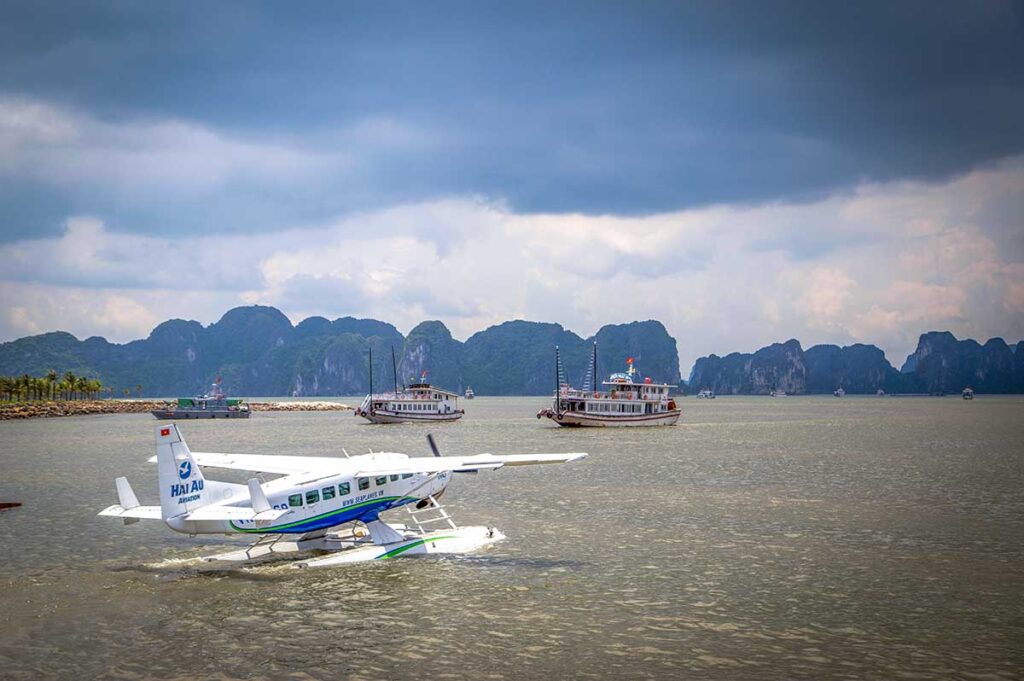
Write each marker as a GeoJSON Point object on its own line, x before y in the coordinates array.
{"type": "Point", "coordinates": [745, 173]}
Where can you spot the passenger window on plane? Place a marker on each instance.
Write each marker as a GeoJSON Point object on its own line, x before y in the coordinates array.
{"type": "Point", "coordinates": [381, 481]}
{"type": "Point", "coordinates": [312, 497]}
{"type": "Point", "coordinates": [328, 492]}
{"type": "Point", "coordinates": [394, 478]}
{"type": "Point", "coordinates": [295, 500]}
{"type": "Point", "coordinates": [364, 483]}
{"type": "Point", "coordinates": [406, 475]}
{"type": "Point", "coordinates": [344, 488]}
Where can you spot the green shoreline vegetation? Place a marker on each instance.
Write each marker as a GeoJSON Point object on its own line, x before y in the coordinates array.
{"type": "Point", "coordinates": [51, 387]}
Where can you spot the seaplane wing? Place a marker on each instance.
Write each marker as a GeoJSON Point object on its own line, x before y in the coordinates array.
{"type": "Point", "coordinates": [270, 463]}
{"type": "Point", "coordinates": [462, 463]}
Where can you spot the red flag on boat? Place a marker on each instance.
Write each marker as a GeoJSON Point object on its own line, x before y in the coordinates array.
{"type": "Point", "coordinates": [629, 360]}
{"type": "Point", "coordinates": [424, 374]}
{"type": "Point", "coordinates": [647, 379]}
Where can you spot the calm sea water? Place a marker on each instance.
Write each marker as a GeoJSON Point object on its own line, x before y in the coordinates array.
{"type": "Point", "coordinates": [818, 538]}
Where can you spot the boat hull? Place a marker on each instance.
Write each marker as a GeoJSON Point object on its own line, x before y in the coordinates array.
{"type": "Point", "coordinates": [584, 420]}
{"type": "Point", "coordinates": [177, 414]}
{"type": "Point", "coordinates": [387, 417]}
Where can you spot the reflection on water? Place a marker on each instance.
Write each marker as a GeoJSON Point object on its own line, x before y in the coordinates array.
{"type": "Point", "coordinates": [764, 539]}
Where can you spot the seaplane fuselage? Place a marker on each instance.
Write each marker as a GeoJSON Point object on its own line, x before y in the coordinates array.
{"type": "Point", "coordinates": [319, 503]}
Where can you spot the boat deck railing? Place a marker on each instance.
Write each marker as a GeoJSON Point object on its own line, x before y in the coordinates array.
{"type": "Point", "coordinates": [574, 393]}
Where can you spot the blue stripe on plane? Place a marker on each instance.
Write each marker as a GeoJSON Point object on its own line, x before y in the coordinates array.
{"type": "Point", "coordinates": [368, 512]}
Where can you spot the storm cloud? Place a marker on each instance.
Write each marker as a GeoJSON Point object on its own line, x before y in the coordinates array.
{"type": "Point", "coordinates": [596, 108]}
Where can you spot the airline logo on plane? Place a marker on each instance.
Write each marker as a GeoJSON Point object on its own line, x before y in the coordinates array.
{"type": "Point", "coordinates": [185, 469]}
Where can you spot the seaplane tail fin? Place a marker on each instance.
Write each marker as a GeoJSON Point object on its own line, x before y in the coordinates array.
{"type": "Point", "coordinates": [182, 485]}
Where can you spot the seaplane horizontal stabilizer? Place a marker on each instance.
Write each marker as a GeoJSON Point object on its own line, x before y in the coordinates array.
{"type": "Point", "coordinates": [138, 512]}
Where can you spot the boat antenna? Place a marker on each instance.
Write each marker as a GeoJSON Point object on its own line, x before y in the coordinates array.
{"type": "Point", "coordinates": [371, 372]}
{"type": "Point", "coordinates": [394, 368]}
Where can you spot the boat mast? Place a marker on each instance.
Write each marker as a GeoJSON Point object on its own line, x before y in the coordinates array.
{"type": "Point", "coordinates": [558, 383]}
{"type": "Point", "coordinates": [394, 368]}
{"type": "Point", "coordinates": [371, 376]}
{"type": "Point", "coordinates": [597, 386]}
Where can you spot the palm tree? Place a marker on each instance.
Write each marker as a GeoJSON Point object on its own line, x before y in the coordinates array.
{"type": "Point", "coordinates": [138, 390]}
{"type": "Point", "coordinates": [69, 381]}
{"type": "Point", "coordinates": [51, 379]}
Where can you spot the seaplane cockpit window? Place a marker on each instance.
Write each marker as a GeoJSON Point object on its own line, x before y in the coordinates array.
{"type": "Point", "coordinates": [394, 478]}
{"type": "Point", "coordinates": [344, 488]}
{"type": "Point", "coordinates": [295, 500]}
{"type": "Point", "coordinates": [312, 496]}
{"type": "Point", "coordinates": [364, 483]}
{"type": "Point", "coordinates": [406, 476]}
{"type": "Point", "coordinates": [381, 481]}
{"type": "Point", "coordinates": [328, 492]}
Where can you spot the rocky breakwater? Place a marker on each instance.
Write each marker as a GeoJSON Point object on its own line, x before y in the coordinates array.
{"type": "Point", "coordinates": [300, 406]}
{"type": "Point", "coordinates": [28, 410]}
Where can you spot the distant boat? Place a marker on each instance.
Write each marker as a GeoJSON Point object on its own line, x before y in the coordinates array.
{"type": "Point", "coordinates": [778, 393]}
{"type": "Point", "coordinates": [968, 393]}
{"type": "Point", "coordinates": [880, 393]}
{"type": "Point", "coordinates": [469, 393]}
{"type": "Point", "coordinates": [416, 403]}
{"type": "Point", "coordinates": [839, 392]}
{"type": "Point", "coordinates": [624, 402]}
{"type": "Point", "coordinates": [706, 394]}
{"type": "Point", "coordinates": [215, 405]}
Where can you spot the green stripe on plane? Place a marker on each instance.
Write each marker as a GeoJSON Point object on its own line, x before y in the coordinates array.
{"type": "Point", "coordinates": [402, 549]}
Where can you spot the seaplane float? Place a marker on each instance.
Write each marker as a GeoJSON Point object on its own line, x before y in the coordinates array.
{"type": "Point", "coordinates": [323, 504]}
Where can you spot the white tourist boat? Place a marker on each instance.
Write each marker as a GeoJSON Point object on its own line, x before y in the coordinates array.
{"type": "Point", "coordinates": [706, 394]}
{"type": "Point", "coordinates": [469, 393]}
{"type": "Point", "coordinates": [623, 402]}
{"type": "Point", "coordinates": [415, 403]}
{"type": "Point", "coordinates": [778, 393]}
{"type": "Point", "coordinates": [839, 392]}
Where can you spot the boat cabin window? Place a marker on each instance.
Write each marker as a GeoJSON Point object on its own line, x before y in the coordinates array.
{"type": "Point", "coordinates": [406, 476]}
{"type": "Point", "coordinates": [394, 478]}
{"type": "Point", "coordinates": [328, 492]}
{"type": "Point", "coordinates": [312, 496]}
{"type": "Point", "coordinates": [381, 481]}
{"type": "Point", "coordinates": [295, 500]}
{"type": "Point", "coordinates": [344, 488]}
{"type": "Point", "coordinates": [364, 483]}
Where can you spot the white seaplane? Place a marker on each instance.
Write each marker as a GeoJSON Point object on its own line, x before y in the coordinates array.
{"type": "Point", "coordinates": [314, 496]}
